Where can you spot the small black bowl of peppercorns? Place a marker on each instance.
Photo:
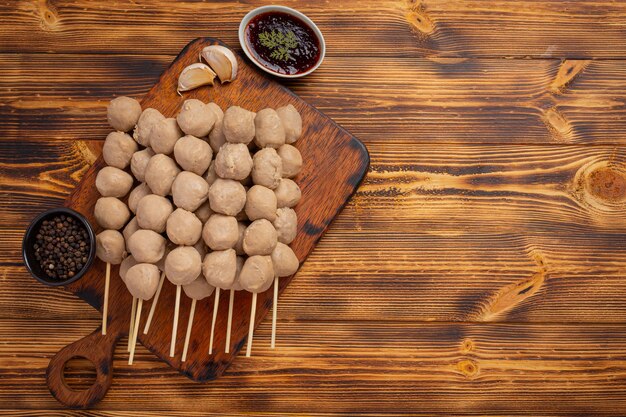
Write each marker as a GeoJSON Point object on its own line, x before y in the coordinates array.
{"type": "Point", "coordinates": [59, 246]}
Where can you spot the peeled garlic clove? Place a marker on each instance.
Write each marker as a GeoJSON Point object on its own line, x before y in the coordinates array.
{"type": "Point", "coordinates": [194, 76]}
{"type": "Point", "coordinates": [222, 60]}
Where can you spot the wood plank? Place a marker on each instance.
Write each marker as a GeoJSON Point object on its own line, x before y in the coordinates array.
{"type": "Point", "coordinates": [434, 233]}
{"type": "Point", "coordinates": [459, 369]}
{"type": "Point", "coordinates": [437, 100]}
{"type": "Point", "coordinates": [443, 100]}
{"type": "Point", "coordinates": [534, 28]}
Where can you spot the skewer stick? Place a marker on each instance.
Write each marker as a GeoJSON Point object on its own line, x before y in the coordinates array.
{"type": "Point", "coordinates": [231, 302]}
{"type": "Point", "coordinates": [135, 331]}
{"type": "Point", "coordinates": [175, 326]}
{"type": "Point", "coordinates": [105, 308]}
{"type": "Point", "coordinates": [251, 328]}
{"type": "Point", "coordinates": [189, 325]}
{"type": "Point", "coordinates": [132, 323]}
{"type": "Point", "coordinates": [274, 311]}
{"type": "Point", "coordinates": [154, 303]}
{"type": "Point", "coordinates": [216, 304]}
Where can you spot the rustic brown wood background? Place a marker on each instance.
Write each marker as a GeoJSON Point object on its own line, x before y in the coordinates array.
{"type": "Point", "coordinates": [479, 270]}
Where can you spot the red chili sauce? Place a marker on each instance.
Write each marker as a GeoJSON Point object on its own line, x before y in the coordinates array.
{"type": "Point", "coordinates": [282, 43]}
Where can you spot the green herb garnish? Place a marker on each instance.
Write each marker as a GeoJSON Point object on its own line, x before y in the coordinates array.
{"type": "Point", "coordinates": [280, 43]}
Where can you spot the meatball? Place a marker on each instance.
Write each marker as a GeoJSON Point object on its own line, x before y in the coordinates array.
{"type": "Point", "coordinates": [113, 182]}
{"type": "Point", "coordinates": [292, 122]}
{"type": "Point", "coordinates": [164, 135]}
{"type": "Point", "coordinates": [260, 238]}
{"type": "Point", "coordinates": [110, 246]}
{"type": "Point", "coordinates": [257, 274]}
{"type": "Point", "coordinates": [118, 149]}
{"type": "Point", "coordinates": [193, 154]}
{"type": "Point", "coordinates": [287, 193]}
{"type": "Point", "coordinates": [146, 246]}
{"type": "Point", "coordinates": [219, 268]}
{"type": "Point", "coordinates": [227, 197]}
{"type": "Point", "coordinates": [183, 265]}
{"type": "Point", "coordinates": [238, 125]}
{"type": "Point", "coordinates": [148, 119]}
{"type": "Point", "coordinates": [111, 213]}
{"type": "Point", "coordinates": [160, 174]}
{"type": "Point", "coordinates": [196, 118]}
{"type": "Point", "coordinates": [286, 224]}
{"type": "Point", "coordinates": [189, 191]}
{"type": "Point", "coordinates": [269, 129]}
{"type": "Point", "coordinates": [291, 159]}
{"type": "Point", "coordinates": [183, 227]}
{"type": "Point", "coordinates": [123, 113]}
{"type": "Point", "coordinates": [285, 261]}
{"type": "Point", "coordinates": [220, 232]}
{"type": "Point", "coordinates": [198, 289]}
{"type": "Point", "coordinates": [139, 162]}
{"type": "Point", "coordinates": [260, 203]}
{"type": "Point", "coordinates": [267, 168]}
{"type": "Point", "coordinates": [142, 280]}
{"type": "Point", "coordinates": [137, 194]}
{"type": "Point", "coordinates": [153, 211]}
{"type": "Point", "coordinates": [233, 161]}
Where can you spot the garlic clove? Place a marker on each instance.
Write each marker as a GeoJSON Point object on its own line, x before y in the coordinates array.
{"type": "Point", "coordinates": [222, 61]}
{"type": "Point", "coordinates": [194, 76]}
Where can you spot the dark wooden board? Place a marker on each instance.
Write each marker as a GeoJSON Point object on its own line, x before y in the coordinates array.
{"type": "Point", "coordinates": [334, 164]}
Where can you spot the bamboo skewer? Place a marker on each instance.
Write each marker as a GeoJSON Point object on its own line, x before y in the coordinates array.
{"type": "Point", "coordinates": [132, 323]}
{"type": "Point", "coordinates": [189, 326]}
{"type": "Point", "coordinates": [154, 303]}
{"type": "Point", "coordinates": [105, 307]}
{"type": "Point", "coordinates": [231, 303]}
{"type": "Point", "coordinates": [251, 328]}
{"type": "Point", "coordinates": [216, 304]}
{"type": "Point", "coordinates": [274, 312]}
{"type": "Point", "coordinates": [135, 331]}
{"type": "Point", "coordinates": [175, 325]}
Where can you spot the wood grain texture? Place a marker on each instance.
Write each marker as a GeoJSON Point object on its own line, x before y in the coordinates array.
{"type": "Point", "coordinates": [436, 233]}
{"type": "Point", "coordinates": [478, 272]}
{"type": "Point", "coordinates": [535, 28]}
{"type": "Point", "coordinates": [420, 100]}
{"type": "Point", "coordinates": [354, 368]}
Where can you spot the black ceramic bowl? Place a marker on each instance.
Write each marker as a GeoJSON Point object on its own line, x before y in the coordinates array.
{"type": "Point", "coordinates": [28, 252]}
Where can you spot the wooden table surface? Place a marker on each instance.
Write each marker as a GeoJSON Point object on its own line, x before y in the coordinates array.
{"type": "Point", "coordinates": [479, 270]}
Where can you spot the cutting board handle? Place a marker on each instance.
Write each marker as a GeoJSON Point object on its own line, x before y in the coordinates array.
{"type": "Point", "coordinates": [98, 349]}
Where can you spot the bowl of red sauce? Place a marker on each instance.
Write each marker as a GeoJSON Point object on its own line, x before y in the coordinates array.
{"type": "Point", "coordinates": [282, 41]}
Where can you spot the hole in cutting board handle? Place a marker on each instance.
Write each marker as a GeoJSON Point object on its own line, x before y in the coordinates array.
{"type": "Point", "coordinates": [79, 373]}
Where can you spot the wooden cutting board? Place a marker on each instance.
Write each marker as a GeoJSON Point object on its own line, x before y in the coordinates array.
{"type": "Point", "coordinates": [335, 162]}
